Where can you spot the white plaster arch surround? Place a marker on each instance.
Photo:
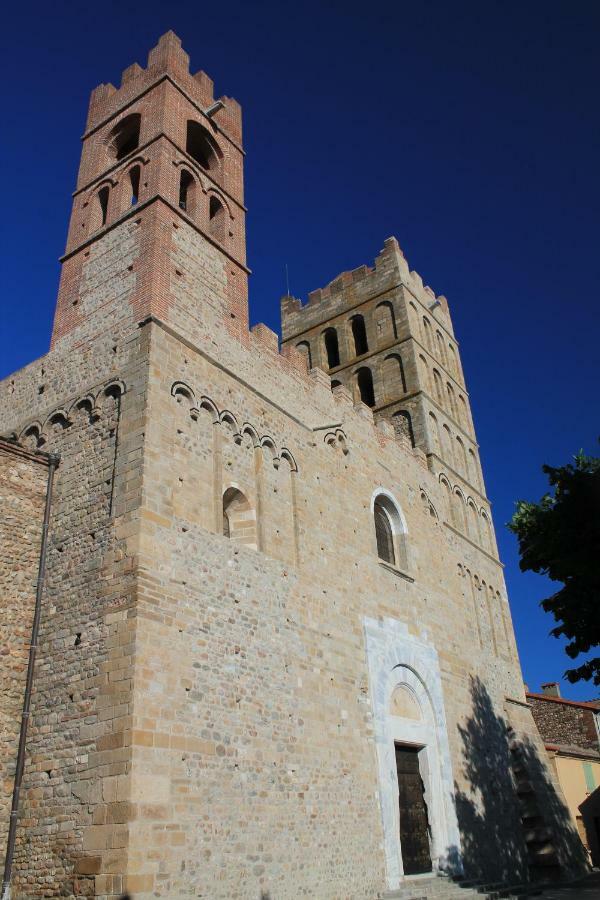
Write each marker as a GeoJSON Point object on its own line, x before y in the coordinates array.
{"type": "Point", "coordinates": [383, 492]}
{"type": "Point", "coordinates": [396, 657]}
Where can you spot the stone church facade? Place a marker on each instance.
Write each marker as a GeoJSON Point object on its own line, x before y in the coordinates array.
{"type": "Point", "coordinates": [272, 604]}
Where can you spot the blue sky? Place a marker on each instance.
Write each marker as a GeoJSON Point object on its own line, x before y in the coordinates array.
{"type": "Point", "coordinates": [470, 130]}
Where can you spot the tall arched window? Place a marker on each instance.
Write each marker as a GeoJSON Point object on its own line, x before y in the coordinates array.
{"type": "Point", "coordinates": [216, 218]}
{"type": "Point", "coordinates": [239, 519]}
{"type": "Point", "coordinates": [201, 146]}
{"type": "Point", "coordinates": [304, 348]}
{"type": "Point", "coordinates": [428, 334]}
{"type": "Point", "coordinates": [386, 322]}
{"type": "Point", "coordinates": [441, 347]}
{"type": "Point", "coordinates": [364, 381]}
{"type": "Point", "coordinates": [332, 348]}
{"type": "Point", "coordinates": [390, 532]}
{"type": "Point", "coordinates": [125, 136]}
{"type": "Point", "coordinates": [384, 534]}
{"type": "Point", "coordinates": [394, 381]}
{"type": "Point", "coordinates": [187, 192]}
{"type": "Point", "coordinates": [439, 387]}
{"type": "Point", "coordinates": [359, 333]}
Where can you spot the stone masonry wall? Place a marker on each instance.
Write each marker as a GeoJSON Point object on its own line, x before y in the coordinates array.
{"type": "Point", "coordinates": [23, 479]}
{"type": "Point", "coordinates": [565, 723]}
{"type": "Point", "coordinates": [77, 771]}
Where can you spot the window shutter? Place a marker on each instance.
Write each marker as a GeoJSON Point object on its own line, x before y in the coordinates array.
{"type": "Point", "coordinates": [383, 533]}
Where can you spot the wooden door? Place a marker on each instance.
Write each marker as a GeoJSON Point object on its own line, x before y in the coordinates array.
{"type": "Point", "coordinates": [414, 824]}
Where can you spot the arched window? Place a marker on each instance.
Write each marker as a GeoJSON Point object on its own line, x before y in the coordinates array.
{"type": "Point", "coordinates": [394, 380]}
{"type": "Point", "coordinates": [473, 522]}
{"type": "Point", "coordinates": [487, 532]}
{"type": "Point", "coordinates": [453, 359]}
{"type": "Point", "coordinates": [390, 532]}
{"type": "Point", "coordinates": [364, 381]}
{"type": "Point", "coordinates": [459, 511]}
{"type": "Point", "coordinates": [134, 181]}
{"type": "Point", "coordinates": [434, 434]}
{"type": "Point", "coordinates": [201, 146]}
{"type": "Point", "coordinates": [359, 333]}
{"type": "Point", "coordinates": [125, 136]}
{"type": "Point", "coordinates": [187, 192]}
{"type": "Point", "coordinates": [441, 347]}
{"type": "Point", "coordinates": [474, 470]}
{"type": "Point", "coordinates": [335, 383]}
{"type": "Point", "coordinates": [331, 347]}
{"type": "Point", "coordinates": [304, 348]}
{"type": "Point", "coordinates": [462, 411]}
{"type": "Point", "coordinates": [448, 448]}
{"type": "Point", "coordinates": [402, 423]}
{"type": "Point", "coordinates": [449, 501]}
{"type": "Point", "coordinates": [439, 389]}
{"type": "Point", "coordinates": [425, 377]}
{"type": "Point", "coordinates": [428, 334]}
{"type": "Point", "coordinates": [103, 195]}
{"type": "Point", "coordinates": [239, 519]}
{"type": "Point", "coordinates": [216, 217]}
{"type": "Point", "coordinates": [451, 400]}
{"type": "Point", "coordinates": [463, 457]}
{"type": "Point", "coordinates": [386, 322]}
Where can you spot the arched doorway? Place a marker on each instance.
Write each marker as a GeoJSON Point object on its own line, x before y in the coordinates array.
{"type": "Point", "coordinates": [413, 754]}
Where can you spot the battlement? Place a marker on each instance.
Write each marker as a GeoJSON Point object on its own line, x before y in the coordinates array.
{"type": "Point", "coordinates": [167, 58]}
{"type": "Point", "coordinates": [349, 289]}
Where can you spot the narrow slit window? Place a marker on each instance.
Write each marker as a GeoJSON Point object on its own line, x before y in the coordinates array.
{"type": "Point", "coordinates": [134, 178]}
{"type": "Point", "coordinates": [103, 195]}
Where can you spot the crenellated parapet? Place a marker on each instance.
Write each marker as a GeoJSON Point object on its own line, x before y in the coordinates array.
{"type": "Point", "coordinates": [167, 60]}
{"type": "Point", "coordinates": [389, 271]}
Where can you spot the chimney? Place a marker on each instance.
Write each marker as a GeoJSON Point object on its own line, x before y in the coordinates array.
{"type": "Point", "coordinates": [551, 689]}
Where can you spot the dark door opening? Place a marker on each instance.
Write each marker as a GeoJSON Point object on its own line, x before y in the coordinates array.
{"type": "Point", "coordinates": [414, 822]}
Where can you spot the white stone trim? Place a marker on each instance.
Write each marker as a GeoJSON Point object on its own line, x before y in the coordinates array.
{"type": "Point", "coordinates": [394, 656]}
{"type": "Point", "coordinates": [378, 492]}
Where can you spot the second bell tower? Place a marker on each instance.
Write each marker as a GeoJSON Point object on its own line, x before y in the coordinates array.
{"type": "Point", "coordinates": [158, 220]}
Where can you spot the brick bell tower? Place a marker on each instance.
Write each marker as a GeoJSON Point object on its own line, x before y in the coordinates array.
{"type": "Point", "coordinates": [159, 154]}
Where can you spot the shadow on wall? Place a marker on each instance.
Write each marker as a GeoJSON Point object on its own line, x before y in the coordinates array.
{"type": "Point", "coordinates": [513, 824]}
{"type": "Point", "coordinates": [590, 811]}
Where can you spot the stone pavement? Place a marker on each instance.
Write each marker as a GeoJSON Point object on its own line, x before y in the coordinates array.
{"type": "Point", "coordinates": [586, 889]}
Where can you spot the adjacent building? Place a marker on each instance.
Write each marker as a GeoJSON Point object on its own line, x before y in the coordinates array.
{"type": "Point", "coordinates": [571, 733]}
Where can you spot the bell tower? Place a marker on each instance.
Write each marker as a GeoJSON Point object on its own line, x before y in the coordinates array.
{"type": "Point", "coordinates": [158, 221]}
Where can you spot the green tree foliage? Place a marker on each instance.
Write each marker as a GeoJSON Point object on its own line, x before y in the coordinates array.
{"type": "Point", "coordinates": [560, 537]}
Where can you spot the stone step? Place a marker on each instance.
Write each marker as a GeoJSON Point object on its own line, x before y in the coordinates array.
{"type": "Point", "coordinates": [440, 888]}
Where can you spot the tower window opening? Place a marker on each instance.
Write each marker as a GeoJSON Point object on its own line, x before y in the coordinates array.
{"type": "Point", "coordinates": [134, 178]}
{"type": "Point", "coordinates": [186, 188]}
{"type": "Point", "coordinates": [364, 381]}
{"type": "Point", "coordinates": [331, 347]}
{"type": "Point", "coordinates": [103, 195]}
{"type": "Point", "coordinates": [216, 217]}
{"type": "Point", "coordinates": [125, 136]}
{"type": "Point", "coordinates": [201, 146]}
{"type": "Point", "coordinates": [359, 333]}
